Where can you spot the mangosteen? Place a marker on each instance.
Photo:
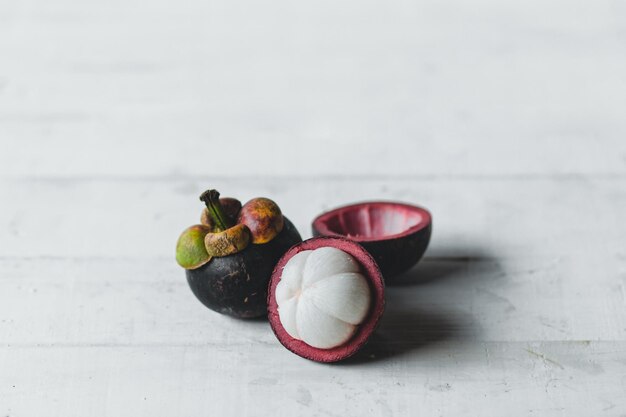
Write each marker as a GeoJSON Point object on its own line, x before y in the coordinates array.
{"type": "Point", "coordinates": [396, 234]}
{"type": "Point", "coordinates": [229, 258]}
{"type": "Point", "coordinates": [326, 296]}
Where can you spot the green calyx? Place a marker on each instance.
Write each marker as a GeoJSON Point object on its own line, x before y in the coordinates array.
{"type": "Point", "coordinates": [215, 213]}
{"type": "Point", "coordinates": [231, 207]}
{"type": "Point", "coordinates": [191, 252]}
{"type": "Point", "coordinates": [227, 242]}
{"type": "Point", "coordinates": [218, 235]}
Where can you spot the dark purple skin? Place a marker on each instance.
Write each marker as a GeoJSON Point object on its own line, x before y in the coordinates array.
{"type": "Point", "coordinates": [395, 252]}
{"type": "Point", "coordinates": [398, 255]}
{"type": "Point", "coordinates": [236, 285]}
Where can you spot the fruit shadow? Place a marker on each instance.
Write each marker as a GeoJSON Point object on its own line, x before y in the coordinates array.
{"type": "Point", "coordinates": [408, 325]}
{"type": "Point", "coordinates": [450, 263]}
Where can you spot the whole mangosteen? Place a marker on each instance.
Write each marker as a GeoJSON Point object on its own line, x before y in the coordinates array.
{"type": "Point", "coordinates": [230, 256]}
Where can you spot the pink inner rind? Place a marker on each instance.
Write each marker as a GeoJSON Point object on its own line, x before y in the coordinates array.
{"type": "Point", "coordinates": [373, 221]}
{"type": "Point", "coordinates": [365, 329]}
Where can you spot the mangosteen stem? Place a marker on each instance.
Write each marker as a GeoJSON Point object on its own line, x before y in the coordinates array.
{"type": "Point", "coordinates": [212, 200]}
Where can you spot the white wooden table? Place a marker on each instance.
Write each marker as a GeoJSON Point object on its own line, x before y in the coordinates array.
{"type": "Point", "coordinates": [506, 119]}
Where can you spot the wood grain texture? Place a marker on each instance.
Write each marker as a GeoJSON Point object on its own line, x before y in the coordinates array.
{"type": "Point", "coordinates": [506, 120]}
{"type": "Point", "coordinates": [430, 88]}
{"type": "Point", "coordinates": [514, 301]}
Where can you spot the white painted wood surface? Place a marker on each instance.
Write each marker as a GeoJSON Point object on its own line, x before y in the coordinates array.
{"type": "Point", "coordinates": [506, 119]}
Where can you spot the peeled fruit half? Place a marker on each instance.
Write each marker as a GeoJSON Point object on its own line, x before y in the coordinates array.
{"type": "Point", "coordinates": [325, 298]}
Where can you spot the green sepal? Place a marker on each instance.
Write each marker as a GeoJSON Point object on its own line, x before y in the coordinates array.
{"type": "Point", "coordinates": [191, 252]}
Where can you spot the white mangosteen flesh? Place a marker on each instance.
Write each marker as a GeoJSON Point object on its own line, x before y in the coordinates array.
{"type": "Point", "coordinates": [322, 297]}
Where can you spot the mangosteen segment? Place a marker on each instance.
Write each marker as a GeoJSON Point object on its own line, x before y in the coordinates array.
{"type": "Point", "coordinates": [325, 298]}
{"type": "Point", "coordinates": [322, 297]}
{"type": "Point", "coordinates": [396, 234]}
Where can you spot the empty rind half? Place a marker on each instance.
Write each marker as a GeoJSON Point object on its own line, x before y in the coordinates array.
{"type": "Point", "coordinates": [325, 298]}
{"type": "Point", "coordinates": [396, 234]}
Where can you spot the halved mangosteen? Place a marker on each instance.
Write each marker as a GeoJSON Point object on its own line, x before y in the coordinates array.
{"type": "Point", "coordinates": [396, 234]}
{"type": "Point", "coordinates": [325, 298]}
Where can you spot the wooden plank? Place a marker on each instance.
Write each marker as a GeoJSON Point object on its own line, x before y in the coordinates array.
{"type": "Point", "coordinates": [242, 89]}
{"type": "Point", "coordinates": [514, 302]}
{"type": "Point", "coordinates": [91, 302]}
{"type": "Point", "coordinates": [136, 218]}
{"type": "Point", "coordinates": [506, 120]}
{"type": "Point", "coordinates": [522, 257]}
{"type": "Point", "coordinates": [544, 378]}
